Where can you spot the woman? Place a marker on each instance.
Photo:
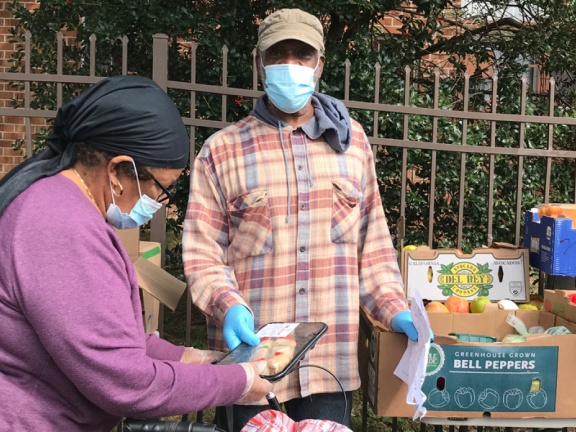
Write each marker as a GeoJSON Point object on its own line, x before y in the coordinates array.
{"type": "Point", "coordinates": [73, 352]}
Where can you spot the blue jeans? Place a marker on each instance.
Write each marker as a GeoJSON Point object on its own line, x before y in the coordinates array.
{"type": "Point", "coordinates": [323, 406]}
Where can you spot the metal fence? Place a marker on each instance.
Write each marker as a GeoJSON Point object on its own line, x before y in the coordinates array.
{"type": "Point", "coordinates": [160, 75]}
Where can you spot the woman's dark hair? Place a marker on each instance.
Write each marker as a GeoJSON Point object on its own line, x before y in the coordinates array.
{"type": "Point", "coordinates": [91, 158]}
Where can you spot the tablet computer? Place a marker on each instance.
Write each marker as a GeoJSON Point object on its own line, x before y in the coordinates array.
{"type": "Point", "coordinates": [282, 346]}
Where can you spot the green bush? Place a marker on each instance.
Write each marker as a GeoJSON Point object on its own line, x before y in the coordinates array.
{"type": "Point", "coordinates": [352, 33]}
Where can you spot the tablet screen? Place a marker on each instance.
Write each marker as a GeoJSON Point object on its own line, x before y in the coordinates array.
{"type": "Point", "coordinates": [282, 345]}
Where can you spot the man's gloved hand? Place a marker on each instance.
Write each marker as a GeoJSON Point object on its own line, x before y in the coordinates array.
{"type": "Point", "coordinates": [239, 327]}
{"type": "Point", "coordinates": [402, 323]}
{"type": "Point", "coordinates": [196, 356]}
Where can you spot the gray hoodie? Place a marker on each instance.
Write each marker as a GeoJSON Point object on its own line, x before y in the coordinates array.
{"type": "Point", "coordinates": [331, 119]}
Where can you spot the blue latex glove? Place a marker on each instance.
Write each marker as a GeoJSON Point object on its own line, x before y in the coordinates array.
{"type": "Point", "coordinates": [402, 323]}
{"type": "Point", "coordinates": [239, 327]}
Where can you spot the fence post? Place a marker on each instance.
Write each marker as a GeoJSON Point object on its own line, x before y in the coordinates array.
{"type": "Point", "coordinates": [160, 76]}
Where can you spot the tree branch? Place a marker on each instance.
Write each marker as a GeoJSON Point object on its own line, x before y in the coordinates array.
{"type": "Point", "coordinates": [511, 22]}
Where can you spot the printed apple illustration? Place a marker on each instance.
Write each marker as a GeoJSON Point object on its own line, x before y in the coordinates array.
{"type": "Point", "coordinates": [438, 399]}
{"type": "Point", "coordinates": [436, 307]}
{"type": "Point", "coordinates": [489, 399]}
{"type": "Point", "coordinates": [457, 305]}
{"type": "Point", "coordinates": [512, 399]}
{"type": "Point", "coordinates": [548, 305]}
{"type": "Point", "coordinates": [479, 304]}
{"type": "Point", "coordinates": [464, 397]}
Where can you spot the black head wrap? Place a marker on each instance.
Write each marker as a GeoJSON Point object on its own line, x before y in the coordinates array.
{"type": "Point", "coordinates": [125, 115]}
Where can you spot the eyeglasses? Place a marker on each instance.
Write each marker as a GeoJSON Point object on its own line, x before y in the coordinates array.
{"type": "Point", "coordinates": [167, 193]}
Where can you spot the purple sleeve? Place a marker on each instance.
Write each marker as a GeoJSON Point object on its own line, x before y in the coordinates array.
{"type": "Point", "coordinates": [161, 349]}
{"type": "Point", "coordinates": [73, 285]}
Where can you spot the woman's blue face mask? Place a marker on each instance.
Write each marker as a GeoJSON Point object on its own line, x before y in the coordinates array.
{"type": "Point", "coordinates": [141, 213]}
{"type": "Point", "coordinates": [290, 86]}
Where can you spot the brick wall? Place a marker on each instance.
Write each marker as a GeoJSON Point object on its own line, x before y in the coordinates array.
{"type": "Point", "coordinates": [11, 128]}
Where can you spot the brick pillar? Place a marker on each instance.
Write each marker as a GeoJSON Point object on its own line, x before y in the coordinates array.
{"type": "Point", "coordinates": [11, 128]}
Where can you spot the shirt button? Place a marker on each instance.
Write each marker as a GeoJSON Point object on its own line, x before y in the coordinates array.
{"type": "Point", "coordinates": [302, 291]}
{"type": "Point", "coordinates": [302, 206]}
{"type": "Point", "coordinates": [299, 167]}
{"type": "Point", "coordinates": [302, 249]}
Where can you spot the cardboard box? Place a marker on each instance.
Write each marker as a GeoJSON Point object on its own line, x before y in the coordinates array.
{"type": "Point", "coordinates": [551, 242]}
{"type": "Point", "coordinates": [498, 272]}
{"type": "Point", "coordinates": [478, 378]}
{"type": "Point", "coordinates": [152, 252]}
{"type": "Point", "coordinates": [558, 303]}
{"type": "Point", "coordinates": [131, 241]}
{"type": "Point", "coordinates": [157, 286]}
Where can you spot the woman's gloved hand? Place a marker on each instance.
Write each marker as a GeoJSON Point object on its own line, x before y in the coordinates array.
{"type": "Point", "coordinates": [239, 327]}
{"type": "Point", "coordinates": [196, 356]}
{"type": "Point", "coordinates": [256, 387]}
{"type": "Point", "coordinates": [402, 323]}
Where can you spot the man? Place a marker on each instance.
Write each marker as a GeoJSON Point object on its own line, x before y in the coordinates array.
{"type": "Point", "coordinates": [285, 224]}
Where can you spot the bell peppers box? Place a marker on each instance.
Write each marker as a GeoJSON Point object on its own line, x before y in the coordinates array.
{"type": "Point", "coordinates": [558, 303]}
{"type": "Point", "coordinates": [157, 285]}
{"type": "Point", "coordinates": [552, 243]}
{"type": "Point", "coordinates": [469, 380]}
{"type": "Point", "coordinates": [498, 272]}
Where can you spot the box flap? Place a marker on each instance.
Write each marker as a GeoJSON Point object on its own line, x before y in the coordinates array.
{"type": "Point", "coordinates": [501, 245]}
{"type": "Point", "coordinates": [159, 283]}
{"type": "Point", "coordinates": [558, 303]}
{"type": "Point", "coordinates": [151, 251]}
{"type": "Point", "coordinates": [130, 240]}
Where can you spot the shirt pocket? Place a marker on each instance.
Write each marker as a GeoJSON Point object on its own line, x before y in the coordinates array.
{"type": "Point", "coordinates": [346, 198]}
{"type": "Point", "coordinates": [251, 220]}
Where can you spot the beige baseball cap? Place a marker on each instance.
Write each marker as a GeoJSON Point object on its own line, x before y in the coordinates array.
{"type": "Point", "coordinates": [290, 24]}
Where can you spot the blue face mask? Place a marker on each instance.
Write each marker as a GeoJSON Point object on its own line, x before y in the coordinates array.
{"type": "Point", "coordinates": [141, 213]}
{"type": "Point", "coordinates": [289, 86]}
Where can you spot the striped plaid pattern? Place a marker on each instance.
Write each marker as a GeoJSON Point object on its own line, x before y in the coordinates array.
{"type": "Point", "coordinates": [333, 252]}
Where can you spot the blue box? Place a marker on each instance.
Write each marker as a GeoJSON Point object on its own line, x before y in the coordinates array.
{"type": "Point", "coordinates": [552, 244]}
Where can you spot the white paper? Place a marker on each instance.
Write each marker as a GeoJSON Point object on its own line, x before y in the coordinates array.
{"type": "Point", "coordinates": [412, 366]}
{"type": "Point", "coordinates": [277, 330]}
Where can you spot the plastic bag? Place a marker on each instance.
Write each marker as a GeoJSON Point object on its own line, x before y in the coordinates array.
{"type": "Point", "coordinates": [556, 331]}
{"type": "Point", "coordinates": [514, 339]}
{"type": "Point", "coordinates": [517, 323]}
{"type": "Point", "coordinates": [536, 330]}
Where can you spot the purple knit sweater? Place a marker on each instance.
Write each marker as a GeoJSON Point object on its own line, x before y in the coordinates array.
{"type": "Point", "coordinates": [73, 352]}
